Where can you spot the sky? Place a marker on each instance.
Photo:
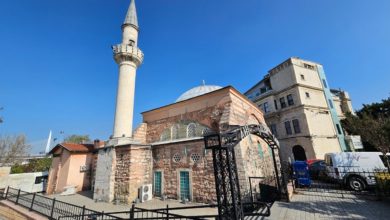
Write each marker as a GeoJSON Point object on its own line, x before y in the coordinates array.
{"type": "Point", "coordinates": [57, 71]}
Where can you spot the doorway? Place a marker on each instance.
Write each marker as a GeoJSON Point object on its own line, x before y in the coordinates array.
{"type": "Point", "coordinates": [299, 153]}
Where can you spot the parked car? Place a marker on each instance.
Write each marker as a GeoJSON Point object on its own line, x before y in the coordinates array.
{"type": "Point", "coordinates": [317, 168]}
{"type": "Point", "coordinates": [356, 170]}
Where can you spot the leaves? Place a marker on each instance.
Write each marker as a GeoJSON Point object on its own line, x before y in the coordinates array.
{"type": "Point", "coordinates": [372, 123]}
{"type": "Point", "coordinates": [34, 165]}
{"type": "Point", "coordinates": [77, 139]}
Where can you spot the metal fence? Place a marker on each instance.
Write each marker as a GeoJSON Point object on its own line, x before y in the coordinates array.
{"type": "Point", "coordinates": [135, 213]}
{"type": "Point", "coordinates": [55, 209]}
{"type": "Point", "coordinates": [48, 207]}
{"type": "Point", "coordinates": [359, 182]}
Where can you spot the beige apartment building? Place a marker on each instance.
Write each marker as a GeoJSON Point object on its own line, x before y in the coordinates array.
{"type": "Point", "coordinates": [301, 110]}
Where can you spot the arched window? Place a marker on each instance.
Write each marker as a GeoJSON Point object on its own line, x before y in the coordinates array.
{"type": "Point", "coordinates": [166, 135]}
{"type": "Point", "coordinates": [299, 153]}
{"type": "Point", "coordinates": [191, 129]}
{"type": "Point", "coordinates": [174, 132]}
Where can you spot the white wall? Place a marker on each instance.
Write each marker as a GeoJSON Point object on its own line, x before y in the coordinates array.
{"type": "Point", "coordinates": [23, 181]}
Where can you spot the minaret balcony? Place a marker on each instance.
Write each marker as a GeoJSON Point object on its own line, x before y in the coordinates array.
{"type": "Point", "coordinates": [124, 52]}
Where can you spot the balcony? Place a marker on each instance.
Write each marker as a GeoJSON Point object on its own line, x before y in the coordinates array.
{"type": "Point", "coordinates": [124, 52]}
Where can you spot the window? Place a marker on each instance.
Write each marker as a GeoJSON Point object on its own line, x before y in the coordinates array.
{"type": "Point", "coordinates": [324, 82]}
{"type": "Point", "coordinates": [157, 183]}
{"type": "Point", "coordinates": [174, 132]}
{"type": "Point", "coordinates": [308, 66]}
{"type": "Point", "coordinates": [274, 130]}
{"type": "Point", "coordinates": [338, 129]}
{"type": "Point", "coordinates": [330, 103]}
{"type": "Point", "coordinates": [307, 95]}
{"type": "Point", "coordinates": [276, 104]}
{"type": "Point", "coordinates": [176, 158]}
{"type": "Point", "coordinates": [287, 125]}
{"type": "Point", "coordinates": [185, 185]}
{"type": "Point", "coordinates": [265, 107]}
{"type": "Point", "coordinates": [195, 157]}
{"type": "Point", "coordinates": [302, 77]}
{"type": "Point", "coordinates": [384, 159]}
{"type": "Point", "coordinates": [282, 102]}
{"type": "Point", "coordinates": [191, 130]}
{"type": "Point", "coordinates": [40, 179]}
{"type": "Point", "coordinates": [290, 100]}
{"type": "Point", "coordinates": [328, 160]}
{"type": "Point", "coordinates": [297, 128]}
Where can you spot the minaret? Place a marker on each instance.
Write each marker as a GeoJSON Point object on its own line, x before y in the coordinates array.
{"type": "Point", "coordinates": [128, 57]}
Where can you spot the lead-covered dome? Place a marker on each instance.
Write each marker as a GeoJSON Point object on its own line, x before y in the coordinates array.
{"type": "Point", "coordinates": [197, 91]}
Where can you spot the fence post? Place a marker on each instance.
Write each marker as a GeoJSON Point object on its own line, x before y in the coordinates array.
{"type": "Point", "coordinates": [167, 212]}
{"type": "Point", "coordinates": [52, 208]}
{"type": "Point", "coordinates": [102, 215]}
{"type": "Point", "coordinates": [83, 212]}
{"type": "Point", "coordinates": [6, 193]}
{"type": "Point", "coordinates": [132, 211]}
{"type": "Point", "coordinates": [32, 202]}
{"type": "Point", "coordinates": [17, 197]}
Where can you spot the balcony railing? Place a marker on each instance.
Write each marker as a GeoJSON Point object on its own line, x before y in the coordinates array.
{"type": "Point", "coordinates": [128, 50]}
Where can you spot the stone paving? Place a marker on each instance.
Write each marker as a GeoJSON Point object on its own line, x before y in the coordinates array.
{"type": "Point", "coordinates": [322, 205]}
{"type": "Point", "coordinates": [304, 205]}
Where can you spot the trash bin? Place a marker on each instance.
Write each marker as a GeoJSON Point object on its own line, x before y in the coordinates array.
{"type": "Point", "coordinates": [301, 173]}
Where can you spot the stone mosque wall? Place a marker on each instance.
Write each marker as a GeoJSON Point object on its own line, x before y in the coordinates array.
{"type": "Point", "coordinates": [190, 156]}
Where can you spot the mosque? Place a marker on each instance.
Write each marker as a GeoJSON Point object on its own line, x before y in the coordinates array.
{"type": "Point", "coordinates": [165, 153]}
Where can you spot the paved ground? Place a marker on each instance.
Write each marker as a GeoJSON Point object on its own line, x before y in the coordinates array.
{"type": "Point", "coordinates": [305, 205]}
{"type": "Point", "coordinates": [85, 199]}
{"type": "Point", "coordinates": [315, 205]}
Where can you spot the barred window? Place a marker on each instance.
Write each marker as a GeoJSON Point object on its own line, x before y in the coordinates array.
{"type": "Point", "coordinates": [191, 128]}
{"type": "Point", "coordinates": [195, 157]}
{"type": "Point", "coordinates": [174, 132]}
{"type": "Point", "coordinates": [176, 158]}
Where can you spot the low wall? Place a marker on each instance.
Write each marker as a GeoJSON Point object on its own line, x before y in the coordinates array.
{"type": "Point", "coordinates": [25, 181]}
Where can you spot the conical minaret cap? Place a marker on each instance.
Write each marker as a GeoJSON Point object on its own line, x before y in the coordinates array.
{"type": "Point", "coordinates": [131, 16]}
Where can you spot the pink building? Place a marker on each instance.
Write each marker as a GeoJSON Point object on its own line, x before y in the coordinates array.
{"type": "Point", "coordinates": [71, 166]}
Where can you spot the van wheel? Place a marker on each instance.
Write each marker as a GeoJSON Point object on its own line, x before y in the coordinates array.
{"type": "Point", "coordinates": [356, 183]}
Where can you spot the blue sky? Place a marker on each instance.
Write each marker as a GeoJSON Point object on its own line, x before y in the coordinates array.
{"type": "Point", "coordinates": [57, 70]}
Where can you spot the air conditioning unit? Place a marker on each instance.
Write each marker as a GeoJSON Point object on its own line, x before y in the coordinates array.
{"type": "Point", "coordinates": [145, 192]}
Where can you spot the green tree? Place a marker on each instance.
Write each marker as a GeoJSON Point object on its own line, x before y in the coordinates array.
{"type": "Point", "coordinates": [372, 123]}
{"type": "Point", "coordinates": [34, 165]}
{"type": "Point", "coordinates": [77, 139]}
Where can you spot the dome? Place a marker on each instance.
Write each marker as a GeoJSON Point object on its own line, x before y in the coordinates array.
{"type": "Point", "coordinates": [197, 91]}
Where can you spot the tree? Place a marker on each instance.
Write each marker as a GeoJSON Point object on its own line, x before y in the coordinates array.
{"type": "Point", "coordinates": [34, 165]}
{"type": "Point", "coordinates": [77, 139]}
{"type": "Point", "coordinates": [12, 147]}
{"type": "Point", "coordinates": [372, 123]}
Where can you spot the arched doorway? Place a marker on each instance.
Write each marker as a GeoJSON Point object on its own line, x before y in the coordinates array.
{"type": "Point", "coordinates": [299, 153]}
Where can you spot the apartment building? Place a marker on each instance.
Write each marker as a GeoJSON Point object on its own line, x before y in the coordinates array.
{"type": "Point", "coordinates": [301, 109]}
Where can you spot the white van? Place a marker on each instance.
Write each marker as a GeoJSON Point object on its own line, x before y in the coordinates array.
{"type": "Point", "coordinates": [355, 169]}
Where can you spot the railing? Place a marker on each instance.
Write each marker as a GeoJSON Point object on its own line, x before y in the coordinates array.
{"type": "Point", "coordinates": [136, 213]}
{"type": "Point", "coordinates": [351, 181]}
{"type": "Point", "coordinates": [48, 207]}
{"type": "Point", "coordinates": [55, 209]}
{"type": "Point", "coordinates": [122, 48]}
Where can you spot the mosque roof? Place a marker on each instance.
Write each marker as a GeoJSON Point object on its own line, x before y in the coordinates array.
{"type": "Point", "coordinates": [197, 91]}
